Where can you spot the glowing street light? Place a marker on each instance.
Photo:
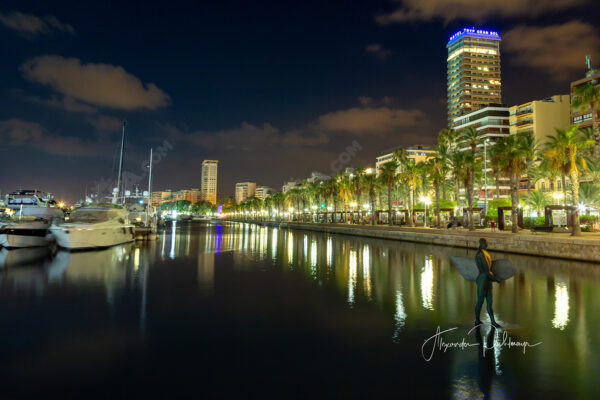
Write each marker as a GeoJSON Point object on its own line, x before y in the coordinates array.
{"type": "Point", "coordinates": [426, 201]}
{"type": "Point", "coordinates": [557, 196]}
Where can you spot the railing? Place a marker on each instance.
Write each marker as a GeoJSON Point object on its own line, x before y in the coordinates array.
{"type": "Point", "coordinates": [527, 121]}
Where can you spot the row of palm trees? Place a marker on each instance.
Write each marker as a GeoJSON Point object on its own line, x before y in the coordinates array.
{"type": "Point", "coordinates": [456, 167]}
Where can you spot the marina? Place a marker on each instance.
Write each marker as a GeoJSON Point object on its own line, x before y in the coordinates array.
{"type": "Point", "coordinates": [314, 200]}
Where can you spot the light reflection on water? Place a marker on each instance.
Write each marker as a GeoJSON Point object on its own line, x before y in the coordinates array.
{"type": "Point", "coordinates": [400, 291]}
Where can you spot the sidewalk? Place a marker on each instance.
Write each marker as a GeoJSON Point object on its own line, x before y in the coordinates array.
{"type": "Point", "coordinates": [487, 232]}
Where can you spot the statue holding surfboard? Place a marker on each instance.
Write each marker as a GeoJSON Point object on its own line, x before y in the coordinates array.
{"type": "Point", "coordinates": [483, 271]}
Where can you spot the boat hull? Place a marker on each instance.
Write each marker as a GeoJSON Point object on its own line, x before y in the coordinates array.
{"type": "Point", "coordinates": [32, 234]}
{"type": "Point", "coordinates": [75, 238]}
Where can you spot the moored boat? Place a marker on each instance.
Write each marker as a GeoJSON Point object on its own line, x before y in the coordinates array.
{"type": "Point", "coordinates": [25, 233]}
{"type": "Point", "coordinates": [94, 227]}
{"type": "Point", "coordinates": [30, 213]}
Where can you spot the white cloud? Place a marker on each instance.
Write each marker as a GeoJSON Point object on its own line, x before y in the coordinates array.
{"type": "Point", "coordinates": [17, 132]}
{"type": "Point", "coordinates": [559, 50]}
{"type": "Point", "coordinates": [378, 51]}
{"type": "Point", "coordinates": [474, 10]}
{"type": "Point", "coordinates": [103, 85]}
{"type": "Point", "coordinates": [28, 25]}
{"type": "Point", "coordinates": [370, 121]}
{"type": "Point", "coordinates": [247, 137]}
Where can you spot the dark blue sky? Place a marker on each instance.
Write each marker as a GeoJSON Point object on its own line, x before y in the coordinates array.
{"type": "Point", "coordinates": [273, 90]}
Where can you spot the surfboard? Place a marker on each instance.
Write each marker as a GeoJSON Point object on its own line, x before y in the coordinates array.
{"type": "Point", "coordinates": [502, 269]}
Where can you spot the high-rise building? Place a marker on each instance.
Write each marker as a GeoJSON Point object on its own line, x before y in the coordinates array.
{"type": "Point", "coordinates": [542, 117]}
{"type": "Point", "coordinates": [290, 185]}
{"type": "Point", "coordinates": [262, 192]}
{"type": "Point", "coordinates": [209, 180]}
{"type": "Point", "coordinates": [492, 123]}
{"type": "Point", "coordinates": [473, 71]}
{"type": "Point", "coordinates": [415, 154]}
{"type": "Point", "coordinates": [243, 190]}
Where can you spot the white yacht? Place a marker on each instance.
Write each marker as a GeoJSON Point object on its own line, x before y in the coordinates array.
{"type": "Point", "coordinates": [32, 203]}
{"type": "Point", "coordinates": [31, 214]}
{"type": "Point", "coordinates": [94, 227]}
{"type": "Point", "coordinates": [28, 232]}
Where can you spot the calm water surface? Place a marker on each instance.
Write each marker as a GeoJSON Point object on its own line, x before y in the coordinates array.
{"type": "Point", "coordinates": [238, 310]}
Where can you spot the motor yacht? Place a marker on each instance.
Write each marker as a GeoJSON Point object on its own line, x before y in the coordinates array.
{"type": "Point", "coordinates": [94, 227]}
{"type": "Point", "coordinates": [27, 219]}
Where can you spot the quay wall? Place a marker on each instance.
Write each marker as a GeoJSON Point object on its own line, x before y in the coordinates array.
{"type": "Point", "coordinates": [536, 245]}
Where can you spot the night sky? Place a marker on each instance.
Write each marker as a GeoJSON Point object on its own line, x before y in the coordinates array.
{"type": "Point", "coordinates": [272, 89]}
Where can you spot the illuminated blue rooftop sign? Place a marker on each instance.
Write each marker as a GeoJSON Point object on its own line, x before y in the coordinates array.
{"type": "Point", "coordinates": [483, 33]}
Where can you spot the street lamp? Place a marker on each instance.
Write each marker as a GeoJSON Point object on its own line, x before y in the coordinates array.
{"type": "Point", "coordinates": [485, 142]}
{"type": "Point", "coordinates": [557, 196]}
{"type": "Point", "coordinates": [426, 201]}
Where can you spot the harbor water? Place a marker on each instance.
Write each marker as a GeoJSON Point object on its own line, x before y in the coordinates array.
{"type": "Point", "coordinates": [234, 310]}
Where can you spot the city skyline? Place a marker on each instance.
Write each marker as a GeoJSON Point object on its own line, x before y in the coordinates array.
{"type": "Point", "coordinates": [262, 95]}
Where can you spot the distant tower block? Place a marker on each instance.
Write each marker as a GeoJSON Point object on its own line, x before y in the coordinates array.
{"type": "Point", "coordinates": [209, 180]}
{"type": "Point", "coordinates": [473, 71]}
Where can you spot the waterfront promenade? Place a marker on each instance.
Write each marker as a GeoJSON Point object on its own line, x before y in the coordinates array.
{"type": "Point", "coordinates": [557, 245]}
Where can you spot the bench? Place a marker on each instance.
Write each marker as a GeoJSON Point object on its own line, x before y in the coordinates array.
{"type": "Point", "coordinates": [541, 228]}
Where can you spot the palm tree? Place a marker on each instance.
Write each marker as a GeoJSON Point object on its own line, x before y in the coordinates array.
{"type": "Point", "coordinates": [269, 204]}
{"type": "Point", "coordinates": [329, 189]}
{"type": "Point", "coordinates": [443, 155]}
{"type": "Point", "coordinates": [371, 186]}
{"type": "Point", "coordinates": [436, 172]}
{"type": "Point", "coordinates": [493, 164]}
{"type": "Point", "coordinates": [344, 191]}
{"type": "Point", "coordinates": [511, 152]}
{"type": "Point", "coordinates": [569, 145]}
{"type": "Point", "coordinates": [278, 200]}
{"type": "Point", "coordinates": [466, 175]}
{"type": "Point", "coordinates": [456, 166]}
{"type": "Point", "coordinates": [411, 177]}
{"type": "Point", "coordinates": [470, 138]}
{"type": "Point", "coordinates": [588, 97]}
{"type": "Point", "coordinates": [357, 186]}
{"type": "Point", "coordinates": [293, 197]}
{"type": "Point", "coordinates": [554, 165]}
{"type": "Point", "coordinates": [589, 193]}
{"type": "Point", "coordinates": [423, 171]}
{"type": "Point", "coordinates": [448, 137]}
{"type": "Point", "coordinates": [537, 200]}
{"type": "Point", "coordinates": [387, 177]}
{"type": "Point", "coordinates": [530, 147]}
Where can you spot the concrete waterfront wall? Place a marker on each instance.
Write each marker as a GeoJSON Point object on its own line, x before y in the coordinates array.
{"type": "Point", "coordinates": [535, 245]}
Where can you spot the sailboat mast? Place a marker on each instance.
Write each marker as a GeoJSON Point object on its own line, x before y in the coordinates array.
{"type": "Point", "coordinates": [121, 161]}
{"type": "Point", "coordinates": [150, 180]}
